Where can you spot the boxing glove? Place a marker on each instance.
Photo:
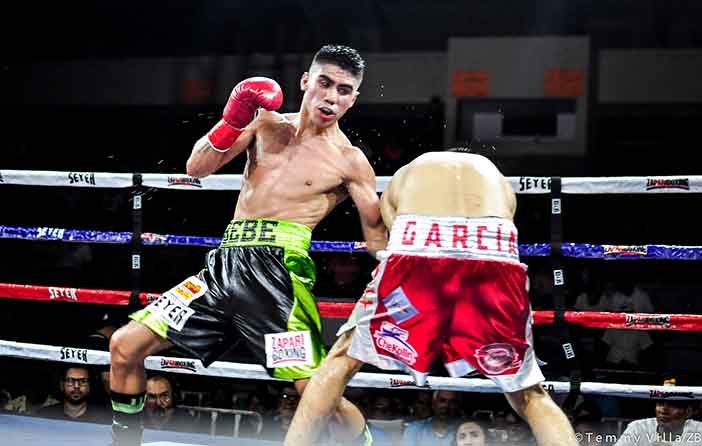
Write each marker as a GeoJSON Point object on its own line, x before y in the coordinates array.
{"type": "Point", "coordinates": [246, 97]}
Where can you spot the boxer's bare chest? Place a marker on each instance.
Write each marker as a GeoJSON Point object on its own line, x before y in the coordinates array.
{"type": "Point", "coordinates": [312, 165]}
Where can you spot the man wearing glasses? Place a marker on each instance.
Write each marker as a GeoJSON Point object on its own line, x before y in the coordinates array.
{"type": "Point", "coordinates": [160, 407]}
{"type": "Point", "coordinates": [75, 403]}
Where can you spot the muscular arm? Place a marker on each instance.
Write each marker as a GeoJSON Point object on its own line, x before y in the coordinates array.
{"type": "Point", "coordinates": [361, 187]}
{"type": "Point", "coordinates": [205, 160]}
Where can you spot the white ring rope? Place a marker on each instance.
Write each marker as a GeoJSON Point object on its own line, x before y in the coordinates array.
{"type": "Point", "coordinates": [367, 380]}
{"type": "Point", "coordinates": [521, 185]}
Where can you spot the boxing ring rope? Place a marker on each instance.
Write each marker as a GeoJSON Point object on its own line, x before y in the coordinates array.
{"type": "Point", "coordinates": [366, 380]}
{"type": "Point", "coordinates": [579, 250]}
{"type": "Point", "coordinates": [342, 310]}
{"type": "Point", "coordinates": [521, 185]}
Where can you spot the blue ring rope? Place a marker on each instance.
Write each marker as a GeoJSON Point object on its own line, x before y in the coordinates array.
{"type": "Point", "coordinates": [579, 250]}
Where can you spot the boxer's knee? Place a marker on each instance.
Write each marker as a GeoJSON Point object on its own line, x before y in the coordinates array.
{"type": "Point", "coordinates": [130, 345]}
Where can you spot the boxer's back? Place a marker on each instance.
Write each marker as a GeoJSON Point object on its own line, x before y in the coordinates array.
{"type": "Point", "coordinates": [453, 184]}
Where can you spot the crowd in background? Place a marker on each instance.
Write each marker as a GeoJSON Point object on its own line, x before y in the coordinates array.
{"type": "Point", "coordinates": [185, 403]}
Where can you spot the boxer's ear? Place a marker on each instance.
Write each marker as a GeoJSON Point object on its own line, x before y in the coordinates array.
{"type": "Point", "coordinates": [304, 81]}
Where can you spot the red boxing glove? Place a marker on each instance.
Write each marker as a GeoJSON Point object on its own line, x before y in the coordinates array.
{"type": "Point", "coordinates": [246, 98]}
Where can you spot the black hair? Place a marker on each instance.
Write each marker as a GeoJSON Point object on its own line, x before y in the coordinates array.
{"type": "Point", "coordinates": [65, 367]}
{"type": "Point", "coordinates": [169, 379]}
{"type": "Point", "coordinates": [342, 56]}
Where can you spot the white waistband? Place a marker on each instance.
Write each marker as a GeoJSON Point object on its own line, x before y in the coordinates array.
{"type": "Point", "coordinates": [485, 238]}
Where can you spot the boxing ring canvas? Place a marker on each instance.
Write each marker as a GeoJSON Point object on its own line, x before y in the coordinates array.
{"type": "Point", "coordinates": [24, 430]}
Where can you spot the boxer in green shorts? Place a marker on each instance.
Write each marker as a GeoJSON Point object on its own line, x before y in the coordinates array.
{"type": "Point", "coordinates": [257, 284]}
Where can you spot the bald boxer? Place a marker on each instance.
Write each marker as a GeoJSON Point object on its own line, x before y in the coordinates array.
{"type": "Point", "coordinates": [257, 284]}
{"type": "Point", "coordinates": [450, 284]}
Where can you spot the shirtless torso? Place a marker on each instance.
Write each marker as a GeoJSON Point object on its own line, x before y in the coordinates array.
{"type": "Point", "coordinates": [449, 184]}
{"type": "Point", "coordinates": [294, 179]}
{"type": "Point", "coordinates": [297, 175]}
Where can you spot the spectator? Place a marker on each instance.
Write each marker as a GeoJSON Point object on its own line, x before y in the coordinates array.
{"type": "Point", "coordinates": [471, 432]}
{"type": "Point", "coordinates": [514, 429]}
{"type": "Point", "coordinates": [383, 421]}
{"type": "Point", "coordinates": [381, 408]}
{"type": "Point", "coordinates": [421, 407]}
{"type": "Point", "coordinates": [439, 429]}
{"type": "Point", "coordinates": [399, 404]}
{"type": "Point", "coordinates": [287, 403]}
{"type": "Point", "coordinates": [589, 291]}
{"type": "Point", "coordinates": [75, 404]}
{"type": "Point", "coordinates": [5, 399]}
{"type": "Point", "coordinates": [27, 387]}
{"type": "Point", "coordinates": [160, 411]}
{"type": "Point", "coordinates": [625, 346]}
{"type": "Point", "coordinates": [671, 425]}
{"type": "Point", "coordinates": [625, 296]}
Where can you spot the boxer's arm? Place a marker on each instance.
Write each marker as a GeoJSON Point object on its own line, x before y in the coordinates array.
{"type": "Point", "coordinates": [235, 131]}
{"type": "Point", "coordinates": [361, 187]}
{"type": "Point", "coordinates": [205, 159]}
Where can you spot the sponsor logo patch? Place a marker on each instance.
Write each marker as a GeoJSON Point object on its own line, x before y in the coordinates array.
{"type": "Point", "coordinates": [403, 382]}
{"type": "Point", "coordinates": [359, 246]}
{"type": "Point", "coordinates": [154, 238]}
{"type": "Point", "coordinates": [188, 290]}
{"type": "Point", "coordinates": [625, 250]}
{"type": "Point", "coordinates": [292, 348]}
{"type": "Point", "coordinates": [171, 310]}
{"type": "Point", "coordinates": [184, 181]}
{"type": "Point", "coordinates": [399, 306]}
{"type": "Point", "coordinates": [534, 183]}
{"type": "Point", "coordinates": [497, 358]}
{"type": "Point", "coordinates": [50, 233]}
{"type": "Point", "coordinates": [664, 394]}
{"type": "Point", "coordinates": [178, 364]}
{"type": "Point", "coordinates": [81, 178]}
{"type": "Point", "coordinates": [62, 293]}
{"type": "Point", "coordinates": [69, 354]}
{"type": "Point", "coordinates": [659, 319]}
{"type": "Point", "coordinates": [668, 183]}
{"type": "Point", "coordinates": [393, 339]}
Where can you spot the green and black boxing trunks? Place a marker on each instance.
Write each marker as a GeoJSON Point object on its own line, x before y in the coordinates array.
{"type": "Point", "coordinates": [255, 286]}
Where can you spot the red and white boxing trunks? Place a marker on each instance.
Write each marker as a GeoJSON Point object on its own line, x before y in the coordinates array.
{"type": "Point", "coordinates": [452, 286]}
